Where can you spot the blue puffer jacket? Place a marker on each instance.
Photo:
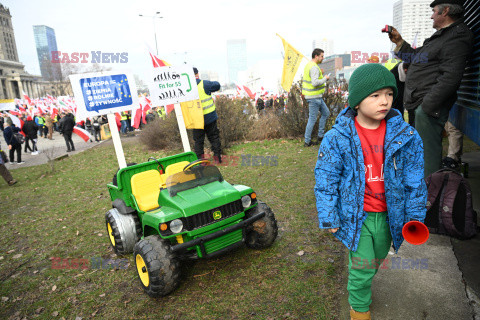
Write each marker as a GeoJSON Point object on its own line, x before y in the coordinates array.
{"type": "Point", "coordinates": [340, 178]}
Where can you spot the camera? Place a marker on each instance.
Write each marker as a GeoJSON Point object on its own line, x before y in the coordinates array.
{"type": "Point", "coordinates": [387, 29]}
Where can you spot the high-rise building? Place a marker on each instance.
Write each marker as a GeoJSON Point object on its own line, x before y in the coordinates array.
{"type": "Point", "coordinates": [236, 58]}
{"type": "Point", "coordinates": [46, 42]}
{"type": "Point", "coordinates": [412, 19]}
{"type": "Point", "coordinates": [8, 50]}
{"type": "Point", "coordinates": [324, 44]}
{"type": "Point", "coordinates": [14, 80]}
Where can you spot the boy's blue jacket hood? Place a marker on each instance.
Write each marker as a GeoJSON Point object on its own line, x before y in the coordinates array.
{"type": "Point", "coordinates": [340, 178]}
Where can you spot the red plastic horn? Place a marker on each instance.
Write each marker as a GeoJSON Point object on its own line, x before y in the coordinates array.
{"type": "Point", "coordinates": [415, 232]}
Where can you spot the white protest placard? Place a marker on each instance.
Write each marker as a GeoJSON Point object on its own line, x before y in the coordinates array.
{"type": "Point", "coordinates": [173, 84]}
{"type": "Point", "coordinates": [104, 92]}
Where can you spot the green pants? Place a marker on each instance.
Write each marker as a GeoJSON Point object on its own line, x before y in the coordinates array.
{"type": "Point", "coordinates": [430, 130]}
{"type": "Point", "coordinates": [375, 240]}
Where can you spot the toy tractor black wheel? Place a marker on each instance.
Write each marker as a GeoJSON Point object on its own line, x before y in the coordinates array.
{"type": "Point", "coordinates": [124, 230]}
{"type": "Point", "coordinates": [262, 233]}
{"type": "Point", "coordinates": [157, 267]}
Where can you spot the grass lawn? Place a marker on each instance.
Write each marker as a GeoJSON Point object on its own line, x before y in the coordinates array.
{"type": "Point", "coordinates": [61, 215]}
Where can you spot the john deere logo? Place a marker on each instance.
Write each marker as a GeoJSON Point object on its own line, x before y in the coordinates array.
{"type": "Point", "coordinates": [217, 215]}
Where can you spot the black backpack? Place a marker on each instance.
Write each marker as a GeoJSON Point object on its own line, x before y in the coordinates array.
{"type": "Point", "coordinates": [449, 205]}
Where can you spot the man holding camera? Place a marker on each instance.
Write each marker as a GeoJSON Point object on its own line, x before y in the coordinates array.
{"type": "Point", "coordinates": [434, 75]}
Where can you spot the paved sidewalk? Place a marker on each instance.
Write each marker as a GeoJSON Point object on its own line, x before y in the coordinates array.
{"type": "Point", "coordinates": [51, 149]}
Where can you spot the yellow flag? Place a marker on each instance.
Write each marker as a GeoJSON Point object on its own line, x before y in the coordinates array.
{"type": "Point", "coordinates": [291, 63]}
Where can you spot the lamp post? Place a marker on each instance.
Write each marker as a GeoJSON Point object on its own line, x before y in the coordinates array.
{"type": "Point", "coordinates": [154, 29]}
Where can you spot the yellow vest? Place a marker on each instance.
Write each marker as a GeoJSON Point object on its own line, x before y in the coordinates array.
{"type": "Point", "coordinates": [206, 100]}
{"type": "Point", "coordinates": [123, 116]}
{"type": "Point", "coordinates": [307, 88]}
{"type": "Point", "coordinates": [391, 63]}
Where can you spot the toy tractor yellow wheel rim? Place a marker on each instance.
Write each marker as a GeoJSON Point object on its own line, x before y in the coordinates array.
{"type": "Point", "coordinates": [142, 270]}
{"type": "Point", "coordinates": [110, 234]}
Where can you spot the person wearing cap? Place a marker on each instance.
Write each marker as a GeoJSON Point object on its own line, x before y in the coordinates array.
{"type": "Point", "coordinates": [434, 74]}
{"type": "Point", "coordinates": [369, 179]}
{"type": "Point", "coordinates": [205, 89]}
{"type": "Point", "coordinates": [313, 87]}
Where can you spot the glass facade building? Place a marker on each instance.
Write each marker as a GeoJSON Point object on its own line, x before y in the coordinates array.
{"type": "Point", "coordinates": [46, 42]}
{"type": "Point", "coordinates": [236, 58]}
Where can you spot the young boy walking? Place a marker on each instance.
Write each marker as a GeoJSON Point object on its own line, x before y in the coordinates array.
{"type": "Point", "coordinates": [369, 179]}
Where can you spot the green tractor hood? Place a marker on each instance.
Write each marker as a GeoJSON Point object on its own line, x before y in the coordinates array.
{"type": "Point", "coordinates": [201, 198]}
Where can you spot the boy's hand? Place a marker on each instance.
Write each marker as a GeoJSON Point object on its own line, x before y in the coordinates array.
{"type": "Point", "coordinates": [333, 230]}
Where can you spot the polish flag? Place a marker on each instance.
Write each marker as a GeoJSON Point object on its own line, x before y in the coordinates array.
{"type": "Point", "coordinates": [15, 113]}
{"type": "Point", "coordinates": [53, 111]}
{"type": "Point", "coordinates": [27, 98]}
{"type": "Point", "coordinates": [17, 122]}
{"type": "Point", "coordinates": [82, 133]}
{"type": "Point", "coordinates": [157, 62]}
{"type": "Point", "coordinates": [249, 92]}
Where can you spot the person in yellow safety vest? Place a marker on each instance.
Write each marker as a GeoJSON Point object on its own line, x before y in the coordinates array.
{"type": "Point", "coordinates": [205, 89]}
{"type": "Point", "coordinates": [313, 87]}
{"type": "Point", "coordinates": [123, 121]}
{"type": "Point", "coordinates": [161, 113]}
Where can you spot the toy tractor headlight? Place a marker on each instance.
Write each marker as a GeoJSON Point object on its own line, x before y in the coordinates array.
{"type": "Point", "coordinates": [176, 226]}
{"type": "Point", "coordinates": [246, 201]}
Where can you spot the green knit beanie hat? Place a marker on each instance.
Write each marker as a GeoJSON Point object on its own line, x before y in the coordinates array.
{"type": "Point", "coordinates": [367, 79]}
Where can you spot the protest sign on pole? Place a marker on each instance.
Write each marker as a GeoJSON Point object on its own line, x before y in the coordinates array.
{"type": "Point", "coordinates": [105, 93]}
{"type": "Point", "coordinates": [172, 85]}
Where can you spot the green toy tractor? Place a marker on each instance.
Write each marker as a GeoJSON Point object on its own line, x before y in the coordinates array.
{"type": "Point", "coordinates": [176, 208]}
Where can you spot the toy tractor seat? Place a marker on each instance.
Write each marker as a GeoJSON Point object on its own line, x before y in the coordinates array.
{"type": "Point", "coordinates": [175, 168]}
{"type": "Point", "coordinates": [146, 189]}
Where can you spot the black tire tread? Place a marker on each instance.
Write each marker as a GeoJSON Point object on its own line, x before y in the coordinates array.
{"type": "Point", "coordinates": [256, 240]}
{"type": "Point", "coordinates": [162, 265]}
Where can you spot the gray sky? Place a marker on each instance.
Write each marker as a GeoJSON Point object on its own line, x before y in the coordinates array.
{"type": "Point", "coordinates": [200, 28]}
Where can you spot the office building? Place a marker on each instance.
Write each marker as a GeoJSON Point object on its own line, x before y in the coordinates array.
{"type": "Point", "coordinates": [412, 19]}
{"type": "Point", "coordinates": [236, 58]}
{"type": "Point", "coordinates": [324, 44]}
{"type": "Point", "coordinates": [46, 42]}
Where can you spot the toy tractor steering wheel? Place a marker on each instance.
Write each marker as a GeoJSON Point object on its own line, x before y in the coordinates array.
{"type": "Point", "coordinates": [196, 163]}
{"type": "Point", "coordinates": [162, 169]}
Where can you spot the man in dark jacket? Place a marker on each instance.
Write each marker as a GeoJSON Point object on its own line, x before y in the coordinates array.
{"type": "Point", "coordinates": [67, 123]}
{"type": "Point", "coordinates": [13, 144]}
{"type": "Point", "coordinates": [30, 129]}
{"type": "Point", "coordinates": [205, 90]}
{"type": "Point", "coordinates": [434, 75]}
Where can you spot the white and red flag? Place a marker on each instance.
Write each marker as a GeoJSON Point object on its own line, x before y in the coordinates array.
{"type": "Point", "coordinates": [82, 133]}
{"type": "Point", "coordinates": [27, 98]}
{"type": "Point", "coordinates": [17, 122]}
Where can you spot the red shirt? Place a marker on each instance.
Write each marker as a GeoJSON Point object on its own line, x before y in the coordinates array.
{"type": "Point", "coordinates": [372, 147]}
